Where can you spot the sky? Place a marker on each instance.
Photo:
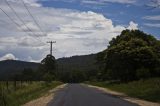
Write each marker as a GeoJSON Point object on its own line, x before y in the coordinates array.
{"type": "Point", "coordinates": [79, 27]}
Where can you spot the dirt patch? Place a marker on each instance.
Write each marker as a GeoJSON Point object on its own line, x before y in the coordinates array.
{"type": "Point", "coordinates": [125, 97]}
{"type": "Point", "coordinates": [44, 100]}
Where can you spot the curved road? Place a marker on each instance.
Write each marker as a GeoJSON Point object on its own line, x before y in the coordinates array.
{"type": "Point", "coordinates": [80, 95]}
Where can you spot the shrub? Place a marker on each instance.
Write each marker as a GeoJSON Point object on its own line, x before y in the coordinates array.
{"type": "Point", "coordinates": [143, 73]}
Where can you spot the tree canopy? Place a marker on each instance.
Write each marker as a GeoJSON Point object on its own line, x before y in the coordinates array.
{"type": "Point", "coordinates": [47, 68]}
{"type": "Point", "coordinates": [49, 62]}
{"type": "Point", "coordinates": [129, 54]}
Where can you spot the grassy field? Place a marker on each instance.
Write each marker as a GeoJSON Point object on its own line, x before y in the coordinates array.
{"type": "Point", "coordinates": [24, 92]}
{"type": "Point", "coordinates": [144, 89]}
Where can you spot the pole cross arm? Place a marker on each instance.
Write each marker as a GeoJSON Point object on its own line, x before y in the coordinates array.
{"type": "Point", "coordinates": [51, 42]}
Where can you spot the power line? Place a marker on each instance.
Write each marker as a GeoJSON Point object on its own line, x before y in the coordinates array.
{"type": "Point", "coordinates": [20, 20]}
{"type": "Point", "coordinates": [33, 17]}
{"type": "Point", "coordinates": [19, 17]}
{"type": "Point", "coordinates": [10, 17]}
{"type": "Point", "coordinates": [16, 23]}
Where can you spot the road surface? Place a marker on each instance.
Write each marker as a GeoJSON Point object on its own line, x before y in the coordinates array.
{"type": "Point", "coordinates": [80, 95]}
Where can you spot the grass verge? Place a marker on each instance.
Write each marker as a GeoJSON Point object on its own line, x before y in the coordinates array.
{"type": "Point", "coordinates": [27, 93]}
{"type": "Point", "coordinates": [148, 89]}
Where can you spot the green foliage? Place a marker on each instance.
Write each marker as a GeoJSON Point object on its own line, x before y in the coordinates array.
{"type": "Point", "coordinates": [83, 63]}
{"type": "Point", "coordinates": [128, 53]}
{"type": "Point", "coordinates": [101, 60]}
{"type": "Point", "coordinates": [47, 68]}
{"type": "Point", "coordinates": [25, 93]}
{"type": "Point", "coordinates": [48, 63]}
{"type": "Point", "coordinates": [10, 68]}
{"type": "Point", "coordinates": [50, 69]}
{"type": "Point", "coordinates": [77, 69]}
{"type": "Point", "coordinates": [148, 89]}
{"type": "Point", "coordinates": [143, 73]}
{"type": "Point", "coordinates": [73, 76]}
{"type": "Point", "coordinates": [3, 96]}
{"type": "Point", "coordinates": [48, 77]}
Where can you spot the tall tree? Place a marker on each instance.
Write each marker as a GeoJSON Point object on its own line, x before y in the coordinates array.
{"type": "Point", "coordinates": [48, 66]}
{"type": "Point", "coordinates": [130, 52]}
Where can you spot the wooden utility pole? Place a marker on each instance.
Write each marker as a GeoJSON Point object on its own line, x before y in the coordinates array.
{"type": "Point", "coordinates": [51, 42]}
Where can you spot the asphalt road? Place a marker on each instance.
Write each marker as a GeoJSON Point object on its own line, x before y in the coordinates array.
{"type": "Point", "coordinates": [80, 95]}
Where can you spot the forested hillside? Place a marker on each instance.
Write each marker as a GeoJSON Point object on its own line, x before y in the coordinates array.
{"type": "Point", "coordinates": [9, 68]}
{"type": "Point", "coordinates": [82, 63]}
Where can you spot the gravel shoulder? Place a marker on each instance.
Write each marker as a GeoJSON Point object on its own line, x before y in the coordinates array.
{"type": "Point", "coordinates": [44, 100]}
{"type": "Point", "coordinates": [123, 96]}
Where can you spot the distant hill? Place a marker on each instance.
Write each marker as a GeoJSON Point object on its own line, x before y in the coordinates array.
{"type": "Point", "coordinates": [82, 63]}
{"type": "Point", "coordinates": [11, 67]}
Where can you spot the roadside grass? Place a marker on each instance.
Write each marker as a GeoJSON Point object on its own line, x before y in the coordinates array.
{"type": "Point", "coordinates": [26, 93]}
{"type": "Point", "coordinates": [148, 89]}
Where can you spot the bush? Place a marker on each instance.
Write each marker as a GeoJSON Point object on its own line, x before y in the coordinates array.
{"type": "Point", "coordinates": [48, 77]}
{"type": "Point", "coordinates": [3, 97]}
{"type": "Point", "coordinates": [143, 73]}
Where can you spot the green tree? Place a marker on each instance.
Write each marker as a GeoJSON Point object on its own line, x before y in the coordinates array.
{"type": "Point", "coordinates": [130, 51]}
{"type": "Point", "coordinates": [48, 62]}
{"type": "Point", "coordinates": [143, 73]}
{"type": "Point", "coordinates": [28, 75]}
{"type": "Point", "coordinates": [48, 66]}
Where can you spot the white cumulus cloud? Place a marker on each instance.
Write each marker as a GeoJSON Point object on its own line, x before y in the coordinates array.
{"type": "Point", "coordinates": [75, 32]}
{"type": "Point", "coordinates": [132, 26]}
{"type": "Point", "coordinates": [8, 56]}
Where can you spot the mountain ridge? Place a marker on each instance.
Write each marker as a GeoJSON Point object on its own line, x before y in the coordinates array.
{"type": "Point", "coordinates": [79, 62]}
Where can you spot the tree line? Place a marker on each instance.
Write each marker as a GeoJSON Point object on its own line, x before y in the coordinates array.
{"type": "Point", "coordinates": [132, 55]}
